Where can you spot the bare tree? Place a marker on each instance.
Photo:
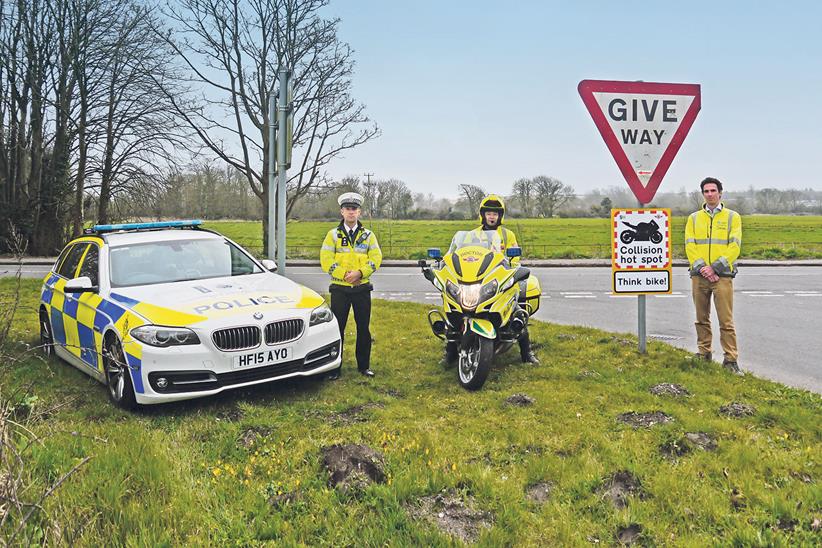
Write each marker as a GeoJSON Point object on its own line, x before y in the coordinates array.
{"type": "Point", "coordinates": [473, 197]}
{"type": "Point", "coordinates": [233, 49]}
{"type": "Point", "coordinates": [551, 194]}
{"type": "Point", "coordinates": [395, 200]}
{"type": "Point", "coordinates": [523, 194]}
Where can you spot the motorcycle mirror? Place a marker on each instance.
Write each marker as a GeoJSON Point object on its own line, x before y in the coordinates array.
{"type": "Point", "coordinates": [512, 252]}
{"type": "Point", "coordinates": [521, 274]}
{"type": "Point", "coordinates": [435, 253]}
{"type": "Point", "coordinates": [422, 263]}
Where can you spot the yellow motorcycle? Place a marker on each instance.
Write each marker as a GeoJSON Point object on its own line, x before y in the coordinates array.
{"type": "Point", "coordinates": [486, 303]}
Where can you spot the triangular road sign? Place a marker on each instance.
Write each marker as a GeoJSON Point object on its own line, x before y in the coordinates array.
{"type": "Point", "coordinates": [643, 124]}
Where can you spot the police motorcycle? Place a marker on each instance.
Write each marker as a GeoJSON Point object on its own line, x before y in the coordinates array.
{"type": "Point", "coordinates": [486, 303]}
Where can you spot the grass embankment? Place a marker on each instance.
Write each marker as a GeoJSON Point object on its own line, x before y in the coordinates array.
{"type": "Point", "coordinates": [765, 237]}
{"type": "Point", "coordinates": [245, 467]}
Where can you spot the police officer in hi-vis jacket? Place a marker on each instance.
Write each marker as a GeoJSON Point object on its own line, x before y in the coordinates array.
{"type": "Point", "coordinates": [350, 254]}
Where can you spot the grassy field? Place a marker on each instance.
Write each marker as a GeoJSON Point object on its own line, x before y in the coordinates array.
{"type": "Point", "coordinates": [765, 237]}
{"type": "Point", "coordinates": [245, 468]}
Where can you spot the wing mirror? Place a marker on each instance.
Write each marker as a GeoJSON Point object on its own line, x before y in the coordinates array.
{"type": "Point", "coordinates": [269, 265]}
{"type": "Point", "coordinates": [80, 285]}
{"type": "Point", "coordinates": [522, 273]}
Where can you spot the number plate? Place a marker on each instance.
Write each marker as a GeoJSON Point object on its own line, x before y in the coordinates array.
{"type": "Point", "coordinates": [263, 357]}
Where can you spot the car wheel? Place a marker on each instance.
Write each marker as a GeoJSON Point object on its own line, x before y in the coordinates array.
{"type": "Point", "coordinates": [46, 337]}
{"type": "Point", "coordinates": [118, 376]}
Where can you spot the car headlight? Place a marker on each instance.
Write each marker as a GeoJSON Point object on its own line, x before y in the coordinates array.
{"type": "Point", "coordinates": [321, 314]}
{"type": "Point", "coordinates": [157, 335]}
{"type": "Point", "coordinates": [488, 290]}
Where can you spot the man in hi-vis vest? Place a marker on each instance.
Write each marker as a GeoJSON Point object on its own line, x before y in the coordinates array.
{"type": "Point", "coordinates": [350, 254]}
{"type": "Point", "coordinates": [713, 237]}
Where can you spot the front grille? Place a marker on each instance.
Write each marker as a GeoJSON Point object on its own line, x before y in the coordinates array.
{"type": "Point", "coordinates": [198, 381]}
{"type": "Point", "coordinates": [237, 338]}
{"type": "Point", "coordinates": [283, 331]}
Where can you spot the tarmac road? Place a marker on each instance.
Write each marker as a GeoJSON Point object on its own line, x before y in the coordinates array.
{"type": "Point", "coordinates": [778, 310]}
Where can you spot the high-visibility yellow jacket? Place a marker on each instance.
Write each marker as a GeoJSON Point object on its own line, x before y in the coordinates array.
{"type": "Point", "coordinates": [509, 239]}
{"type": "Point", "coordinates": [713, 240]}
{"type": "Point", "coordinates": [340, 255]}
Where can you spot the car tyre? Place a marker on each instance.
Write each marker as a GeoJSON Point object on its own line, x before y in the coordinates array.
{"type": "Point", "coordinates": [46, 336]}
{"type": "Point", "coordinates": [118, 376]}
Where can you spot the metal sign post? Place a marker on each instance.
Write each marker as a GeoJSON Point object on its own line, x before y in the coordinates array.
{"type": "Point", "coordinates": [272, 163]}
{"type": "Point", "coordinates": [641, 257]}
{"type": "Point", "coordinates": [282, 158]}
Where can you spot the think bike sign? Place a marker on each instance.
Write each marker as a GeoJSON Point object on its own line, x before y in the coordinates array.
{"type": "Point", "coordinates": [641, 251]}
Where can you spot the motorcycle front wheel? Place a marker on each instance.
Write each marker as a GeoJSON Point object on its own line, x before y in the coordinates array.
{"type": "Point", "coordinates": [475, 361]}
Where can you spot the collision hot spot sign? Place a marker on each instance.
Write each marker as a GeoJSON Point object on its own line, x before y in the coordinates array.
{"type": "Point", "coordinates": [641, 251]}
{"type": "Point", "coordinates": [643, 125]}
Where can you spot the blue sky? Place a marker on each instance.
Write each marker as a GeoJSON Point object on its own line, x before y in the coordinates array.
{"type": "Point", "coordinates": [486, 92]}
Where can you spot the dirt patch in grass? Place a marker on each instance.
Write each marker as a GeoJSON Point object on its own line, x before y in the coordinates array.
{"type": "Point", "coordinates": [785, 524]}
{"type": "Point", "coordinates": [629, 534]}
{"type": "Point", "coordinates": [453, 514]}
{"type": "Point", "coordinates": [232, 413]}
{"type": "Point", "coordinates": [251, 436]}
{"type": "Point", "coordinates": [521, 400]}
{"type": "Point", "coordinates": [539, 492]}
{"type": "Point", "coordinates": [691, 441]}
{"type": "Point", "coordinates": [644, 420]}
{"type": "Point", "coordinates": [703, 441]}
{"type": "Point", "coordinates": [353, 467]}
{"type": "Point", "coordinates": [802, 476]}
{"type": "Point", "coordinates": [355, 413]}
{"type": "Point", "coordinates": [669, 389]}
{"type": "Point", "coordinates": [737, 410]}
{"type": "Point", "coordinates": [566, 337]}
{"type": "Point", "coordinates": [618, 487]}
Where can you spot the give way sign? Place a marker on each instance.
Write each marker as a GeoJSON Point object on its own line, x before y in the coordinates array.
{"type": "Point", "coordinates": [643, 124]}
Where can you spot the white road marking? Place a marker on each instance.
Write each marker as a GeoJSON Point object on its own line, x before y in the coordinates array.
{"type": "Point", "coordinates": [807, 295]}
{"type": "Point", "coordinates": [756, 292]}
{"type": "Point", "coordinates": [575, 292]}
{"type": "Point", "coordinates": [580, 296]}
{"type": "Point", "coordinates": [669, 296]}
{"type": "Point", "coordinates": [764, 295]}
{"type": "Point", "coordinates": [621, 296]}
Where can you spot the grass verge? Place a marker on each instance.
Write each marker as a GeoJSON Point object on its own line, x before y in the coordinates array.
{"type": "Point", "coordinates": [245, 468]}
{"type": "Point", "coordinates": [765, 237]}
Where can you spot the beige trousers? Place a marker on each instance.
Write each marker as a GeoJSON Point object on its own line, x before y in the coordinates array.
{"type": "Point", "coordinates": [723, 293]}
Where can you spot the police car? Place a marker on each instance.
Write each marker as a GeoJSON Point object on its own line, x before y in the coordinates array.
{"type": "Point", "coordinates": [169, 311]}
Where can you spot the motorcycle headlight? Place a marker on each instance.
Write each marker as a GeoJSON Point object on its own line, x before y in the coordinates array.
{"type": "Point", "coordinates": [157, 335]}
{"type": "Point", "coordinates": [488, 290]}
{"type": "Point", "coordinates": [453, 290]}
{"type": "Point", "coordinates": [470, 296]}
{"type": "Point", "coordinates": [321, 314]}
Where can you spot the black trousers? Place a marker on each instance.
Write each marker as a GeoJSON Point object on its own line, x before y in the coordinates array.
{"type": "Point", "coordinates": [343, 299]}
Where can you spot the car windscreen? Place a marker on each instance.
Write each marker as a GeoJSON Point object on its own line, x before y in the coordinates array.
{"type": "Point", "coordinates": [174, 261]}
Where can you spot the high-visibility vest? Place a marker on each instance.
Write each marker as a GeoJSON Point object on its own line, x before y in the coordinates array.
{"type": "Point", "coordinates": [509, 239]}
{"type": "Point", "coordinates": [713, 240]}
{"type": "Point", "coordinates": [340, 255]}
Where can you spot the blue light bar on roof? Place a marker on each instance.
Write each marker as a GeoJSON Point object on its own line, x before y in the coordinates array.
{"type": "Point", "coordinates": [147, 226]}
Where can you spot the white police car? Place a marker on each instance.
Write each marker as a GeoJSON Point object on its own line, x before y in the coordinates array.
{"type": "Point", "coordinates": [169, 311]}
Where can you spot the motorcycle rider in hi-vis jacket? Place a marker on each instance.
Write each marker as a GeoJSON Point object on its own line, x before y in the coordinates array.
{"type": "Point", "coordinates": [491, 213]}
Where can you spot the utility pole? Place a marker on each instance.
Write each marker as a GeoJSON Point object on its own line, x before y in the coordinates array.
{"type": "Point", "coordinates": [370, 187]}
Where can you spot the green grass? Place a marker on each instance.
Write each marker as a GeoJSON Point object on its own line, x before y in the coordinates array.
{"type": "Point", "coordinates": [177, 474]}
{"type": "Point", "coordinates": [764, 237]}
